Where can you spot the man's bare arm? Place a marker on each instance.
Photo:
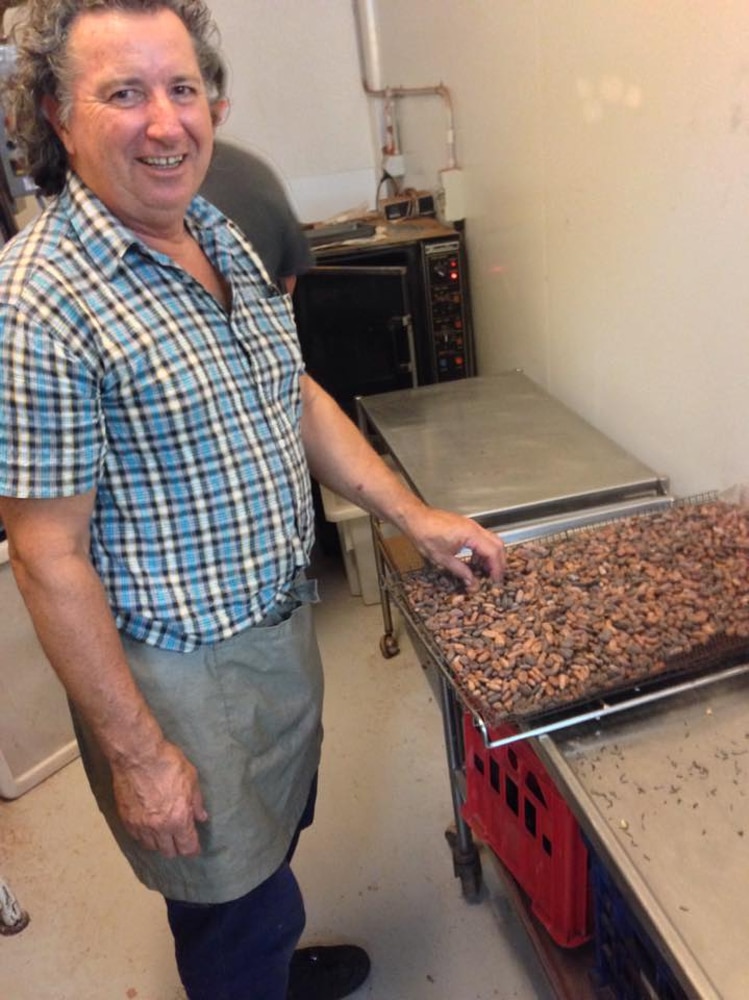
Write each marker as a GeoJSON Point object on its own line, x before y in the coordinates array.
{"type": "Point", "coordinates": [341, 458]}
{"type": "Point", "coordinates": [156, 787]}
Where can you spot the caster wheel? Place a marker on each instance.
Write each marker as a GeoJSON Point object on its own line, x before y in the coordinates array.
{"type": "Point", "coordinates": [470, 885]}
{"type": "Point", "coordinates": [389, 646]}
{"type": "Point", "coordinates": [466, 867]}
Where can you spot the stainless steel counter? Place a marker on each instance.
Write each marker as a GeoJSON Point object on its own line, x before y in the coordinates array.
{"type": "Point", "coordinates": [496, 446]}
{"type": "Point", "coordinates": [663, 793]}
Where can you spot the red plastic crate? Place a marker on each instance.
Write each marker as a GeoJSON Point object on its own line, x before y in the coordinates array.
{"type": "Point", "coordinates": [513, 806]}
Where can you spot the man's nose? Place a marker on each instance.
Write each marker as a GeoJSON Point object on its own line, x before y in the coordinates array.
{"type": "Point", "coordinates": [163, 116]}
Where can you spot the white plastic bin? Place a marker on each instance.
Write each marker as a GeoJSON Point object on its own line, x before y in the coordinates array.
{"type": "Point", "coordinates": [355, 534]}
{"type": "Point", "coordinates": [36, 731]}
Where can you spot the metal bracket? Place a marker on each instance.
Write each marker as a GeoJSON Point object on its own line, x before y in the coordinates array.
{"type": "Point", "coordinates": [604, 709]}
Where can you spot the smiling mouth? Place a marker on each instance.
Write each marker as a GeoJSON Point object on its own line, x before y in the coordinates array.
{"type": "Point", "coordinates": [163, 162]}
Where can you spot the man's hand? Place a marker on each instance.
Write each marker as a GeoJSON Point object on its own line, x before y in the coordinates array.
{"type": "Point", "coordinates": [439, 535]}
{"type": "Point", "coordinates": [159, 802]}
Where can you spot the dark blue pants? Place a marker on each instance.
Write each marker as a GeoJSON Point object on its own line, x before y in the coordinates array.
{"type": "Point", "coordinates": [241, 950]}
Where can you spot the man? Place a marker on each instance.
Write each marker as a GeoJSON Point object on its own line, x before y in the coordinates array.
{"type": "Point", "coordinates": [156, 431]}
{"type": "Point", "coordinates": [246, 190]}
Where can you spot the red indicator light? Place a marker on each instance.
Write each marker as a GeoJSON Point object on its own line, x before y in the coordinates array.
{"type": "Point", "coordinates": [454, 275]}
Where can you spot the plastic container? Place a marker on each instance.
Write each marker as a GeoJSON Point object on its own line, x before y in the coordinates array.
{"type": "Point", "coordinates": [357, 547]}
{"type": "Point", "coordinates": [627, 962]}
{"type": "Point", "coordinates": [36, 731]}
{"type": "Point", "coordinates": [513, 806]}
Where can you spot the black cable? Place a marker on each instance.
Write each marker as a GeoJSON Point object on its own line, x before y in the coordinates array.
{"type": "Point", "coordinates": [386, 177]}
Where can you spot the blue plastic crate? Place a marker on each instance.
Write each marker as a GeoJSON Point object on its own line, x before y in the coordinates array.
{"type": "Point", "coordinates": [627, 961]}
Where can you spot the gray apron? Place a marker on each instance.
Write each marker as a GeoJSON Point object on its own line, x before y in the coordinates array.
{"type": "Point", "coordinates": [247, 713]}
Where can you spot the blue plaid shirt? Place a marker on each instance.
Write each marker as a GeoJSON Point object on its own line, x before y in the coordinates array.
{"type": "Point", "coordinates": [120, 372]}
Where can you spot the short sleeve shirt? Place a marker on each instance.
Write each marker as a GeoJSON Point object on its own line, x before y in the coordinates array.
{"type": "Point", "coordinates": [119, 372]}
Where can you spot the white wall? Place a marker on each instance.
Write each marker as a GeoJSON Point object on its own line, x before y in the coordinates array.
{"type": "Point", "coordinates": [605, 145]}
{"type": "Point", "coordinates": [606, 148]}
{"type": "Point", "coordinates": [297, 98]}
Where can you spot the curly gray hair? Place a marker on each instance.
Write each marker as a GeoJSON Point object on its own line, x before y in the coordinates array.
{"type": "Point", "coordinates": [43, 70]}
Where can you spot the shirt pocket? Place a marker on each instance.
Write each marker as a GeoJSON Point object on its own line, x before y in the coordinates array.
{"type": "Point", "coordinates": [265, 329]}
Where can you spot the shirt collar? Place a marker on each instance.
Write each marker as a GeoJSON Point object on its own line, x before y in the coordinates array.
{"type": "Point", "coordinates": [106, 239]}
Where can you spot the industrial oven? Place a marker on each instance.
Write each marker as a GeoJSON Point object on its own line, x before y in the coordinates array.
{"type": "Point", "coordinates": [386, 311]}
{"type": "Point", "coordinates": [648, 771]}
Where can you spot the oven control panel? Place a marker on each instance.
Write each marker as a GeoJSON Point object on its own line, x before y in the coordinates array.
{"type": "Point", "coordinates": [446, 290]}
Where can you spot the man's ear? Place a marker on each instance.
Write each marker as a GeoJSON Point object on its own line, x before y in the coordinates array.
{"type": "Point", "coordinates": [51, 111]}
{"type": "Point", "coordinates": [220, 111]}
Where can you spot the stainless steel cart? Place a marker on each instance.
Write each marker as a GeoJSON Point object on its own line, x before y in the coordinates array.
{"type": "Point", "coordinates": [502, 450]}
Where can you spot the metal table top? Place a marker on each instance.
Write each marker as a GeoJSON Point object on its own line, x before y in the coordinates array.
{"type": "Point", "coordinates": [501, 444]}
{"type": "Point", "coordinates": [664, 796]}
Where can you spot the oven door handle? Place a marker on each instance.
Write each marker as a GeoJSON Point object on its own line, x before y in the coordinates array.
{"type": "Point", "coordinates": [410, 366]}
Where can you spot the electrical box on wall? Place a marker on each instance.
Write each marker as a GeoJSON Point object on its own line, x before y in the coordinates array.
{"type": "Point", "coordinates": [453, 195]}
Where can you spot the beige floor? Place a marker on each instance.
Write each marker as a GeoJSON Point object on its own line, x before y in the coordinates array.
{"type": "Point", "coordinates": [375, 867]}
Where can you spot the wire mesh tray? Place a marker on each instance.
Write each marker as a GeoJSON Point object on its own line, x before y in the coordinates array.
{"type": "Point", "coordinates": [481, 668]}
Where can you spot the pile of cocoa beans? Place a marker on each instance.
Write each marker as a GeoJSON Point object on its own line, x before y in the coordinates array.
{"type": "Point", "coordinates": [594, 611]}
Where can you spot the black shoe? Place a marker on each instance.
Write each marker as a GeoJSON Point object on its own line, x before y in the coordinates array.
{"type": "Point", "coordinates": [327, 973]}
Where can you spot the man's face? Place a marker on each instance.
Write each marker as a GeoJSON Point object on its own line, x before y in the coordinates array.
{"type": "Point", "coordinates": [139, 132]}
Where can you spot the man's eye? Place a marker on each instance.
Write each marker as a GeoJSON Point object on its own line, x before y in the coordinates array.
{"type": "Point", "coordinates": [125, 97]}
{"type": "Point", "coordinates": [184, 91]}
